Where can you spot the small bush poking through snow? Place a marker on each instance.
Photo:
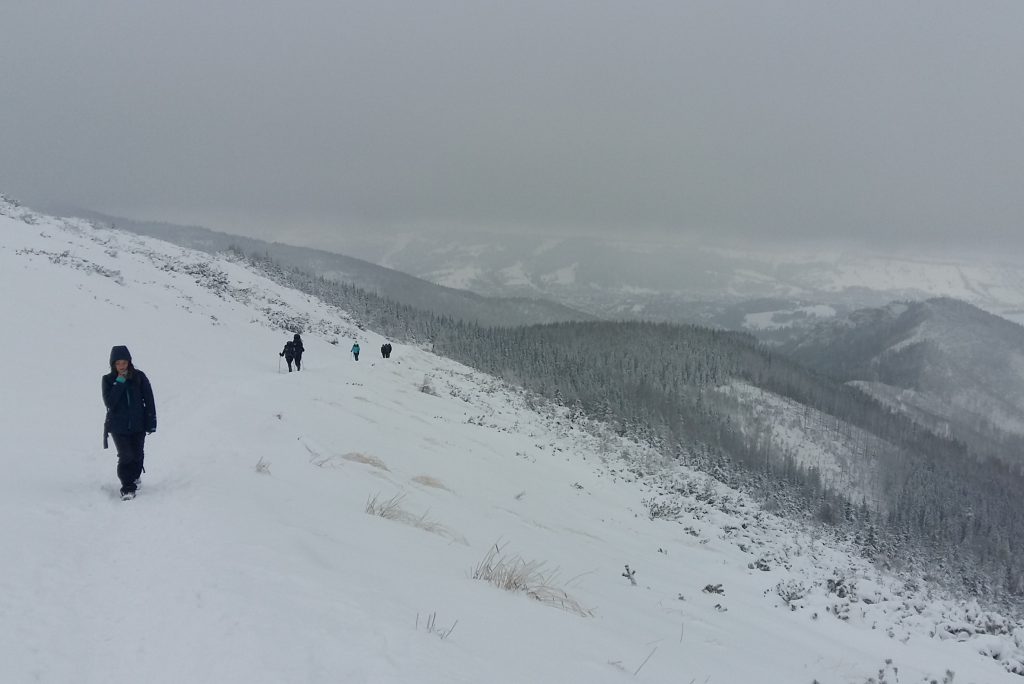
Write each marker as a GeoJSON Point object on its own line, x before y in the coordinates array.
{"type": "Point", "coordinates": [668, 510]}
{"type": "Point", "coordinates": [263, 466]}
{"type": "Point", "coordinates": [791, 591]}
{"type": "Point", "coordinates": [513, 573]}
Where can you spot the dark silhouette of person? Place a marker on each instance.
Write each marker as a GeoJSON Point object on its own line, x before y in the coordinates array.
{"type": "Point", "coordinates": [288, 353]}
{"type": "Point", "coordinates": [297, 349]}
{"type": "Point", "coordinates": [131, 415]}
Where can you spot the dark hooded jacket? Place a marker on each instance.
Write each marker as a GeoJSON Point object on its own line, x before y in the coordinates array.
{"type": "Point", "coordinates": [130, 404]}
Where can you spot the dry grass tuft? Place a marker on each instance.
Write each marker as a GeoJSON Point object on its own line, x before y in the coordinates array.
{"type": "Point", "coordinates": [429, 481]}
{"type": "Point", "coordinates": [368, 460]}
{"type": "Point", "coordinates": [392, 510]}
{"type": "Point", "coordinates": [515, 574]}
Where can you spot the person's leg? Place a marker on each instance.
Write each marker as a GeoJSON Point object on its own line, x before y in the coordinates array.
{"type": "Point", "coordinates": [298, 362]}
{"type": "Point", "coordinates": [129, 463]}
{"type": "Point", "coordinates": [139, 447]}
{"type": "Point", "coordinates": [289, 360]}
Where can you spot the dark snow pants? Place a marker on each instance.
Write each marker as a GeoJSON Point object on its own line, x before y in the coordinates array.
{"type": "Point", "coordinates": [298, 362]}
{"type": "Point", "coordinates": [130, 454]}
{"type": "Point", "coordinates": [289, 360]}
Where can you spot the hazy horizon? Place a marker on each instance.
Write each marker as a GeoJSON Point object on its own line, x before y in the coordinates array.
{"type": "Point", "coordinates": [873, 124]}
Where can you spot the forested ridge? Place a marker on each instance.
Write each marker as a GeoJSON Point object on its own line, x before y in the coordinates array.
{"type": "Point", "coordinates": [951, 514]}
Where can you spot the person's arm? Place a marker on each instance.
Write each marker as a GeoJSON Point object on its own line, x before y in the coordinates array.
{"type": "Point", "coordinates": [149, 403]}
{"type": "Point", "coordinates": [113, 391]}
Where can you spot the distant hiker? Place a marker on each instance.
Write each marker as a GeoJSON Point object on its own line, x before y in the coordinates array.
{"type": "Point", "coordinates": [355, 350]}
{"type": "Point", "coordinates": [298, 349]}
{"type": "Point", "coordinates": [385, 351]}
{"type": "Point", "coordinates": [131, 415]}
{"type": "Point", "coordinates": [288, 353]}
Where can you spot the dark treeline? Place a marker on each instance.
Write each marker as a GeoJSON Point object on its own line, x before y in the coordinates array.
{"type": "Point", "coordinates": [940, 507]}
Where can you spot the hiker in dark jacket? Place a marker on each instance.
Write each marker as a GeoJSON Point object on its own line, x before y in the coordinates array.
{"type": "Point", "coordinates": [387, 350]}
{"type": "Point", "coordinates": [131, 415]}
{"type": "Point", "coordinates": [384, 351]}
{"type": "Point", "coordinates": [288, 353]}
{"type": "Point", "coordinates": [298, 349]}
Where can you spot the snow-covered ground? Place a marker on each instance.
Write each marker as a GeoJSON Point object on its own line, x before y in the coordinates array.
{"type": "Point", "coordinates": [249, 555]}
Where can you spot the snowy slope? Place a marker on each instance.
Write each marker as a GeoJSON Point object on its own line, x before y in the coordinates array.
{"type": "Point", "coordinates": [248, 555]}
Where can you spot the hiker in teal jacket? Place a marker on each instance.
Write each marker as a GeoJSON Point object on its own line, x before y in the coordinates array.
{"type": "Point", "coordinates": [131, 415]}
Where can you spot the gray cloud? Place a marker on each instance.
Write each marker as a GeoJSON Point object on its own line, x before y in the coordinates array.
{"type": "Point", "coordinates": [867, 121]}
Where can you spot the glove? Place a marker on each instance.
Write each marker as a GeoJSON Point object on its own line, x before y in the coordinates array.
{"type": "Point", "coordinates": [281, 354]}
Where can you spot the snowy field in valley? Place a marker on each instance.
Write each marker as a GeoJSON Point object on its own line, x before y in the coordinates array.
{"type": "Point", "coordinates": [249, 555]}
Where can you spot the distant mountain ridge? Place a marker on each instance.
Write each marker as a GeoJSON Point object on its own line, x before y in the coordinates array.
{"type": "Point", "coordinates": [396, 285]}
{"type": "Point", "coordinates": [691, 281]}
{"type": "Point", "coordinates": [772, 293]}
{"type": "Point", "coordinates": [942, 360]}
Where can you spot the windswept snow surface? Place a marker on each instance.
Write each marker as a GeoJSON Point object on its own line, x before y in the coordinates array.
{"type": "Point", "coordinates": [248, 555]}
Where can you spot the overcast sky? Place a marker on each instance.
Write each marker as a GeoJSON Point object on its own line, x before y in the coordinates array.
{"type": "Point", "coordinates": [865, 121]}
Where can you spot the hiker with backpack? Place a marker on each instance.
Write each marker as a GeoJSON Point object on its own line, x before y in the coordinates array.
{"type": "Point", "coordinates": [355, 350]}
{"type": "Point", "coordinates": [131, 415]}
{"type": "Point", "coordinates": [297, 349]}
{"type": "Point", "coordinates": [288, 353]}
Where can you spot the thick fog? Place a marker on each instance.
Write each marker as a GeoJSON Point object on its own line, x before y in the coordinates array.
{"type": "Point", "coordinates": [874, 122]}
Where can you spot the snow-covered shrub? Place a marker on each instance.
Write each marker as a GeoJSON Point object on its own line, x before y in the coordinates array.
{"type": "Point", "coordinates": [666, 509]}
{"type": "Point", "coordinates": [840, 587]}
{"type": "Point", "coordinates": [760, 564]}
{"type": "Point", "coordinates": [427, 387]}
{"type": "Point", "coordinates": [791, 591]}
{"type": "Point", "coordinates": [210, 277]}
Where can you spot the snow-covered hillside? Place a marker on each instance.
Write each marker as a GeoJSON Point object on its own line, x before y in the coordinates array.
{"type": "Point", "coordinates": [249, 555]}
{"type": "Point", "coordinates": [950, 365]}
